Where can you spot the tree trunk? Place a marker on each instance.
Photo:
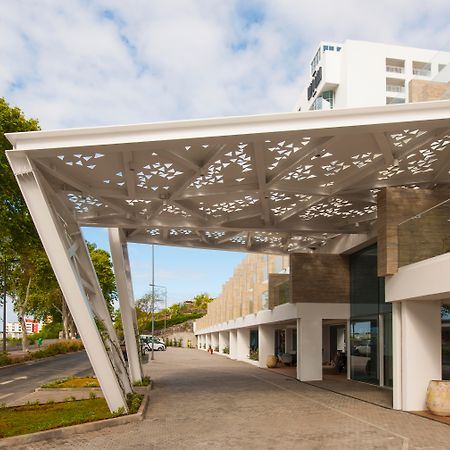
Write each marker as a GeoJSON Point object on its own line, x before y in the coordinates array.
{"type": "Point", "coordinates": [21, 309]}
{"type": "Point", "coordinates": [65, 318]}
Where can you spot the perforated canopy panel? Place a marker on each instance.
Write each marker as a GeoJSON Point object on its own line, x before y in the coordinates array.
{"type": "Point", "coordinates": [276, 183]}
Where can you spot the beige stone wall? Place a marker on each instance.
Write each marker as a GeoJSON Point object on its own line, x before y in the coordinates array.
{"type": "Point", "coordinates": [320, 278]}
{"type": "Point", "coordinates": [395, 205]}
{"type": "Point", "coordinates": [425, 91]}
{"type": "Point", "coordinates": [242, 294]}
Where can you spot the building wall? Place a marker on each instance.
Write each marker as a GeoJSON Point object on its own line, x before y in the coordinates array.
{"type": "Point", "coordinates": [425, 91]}
{"type": "Point", "coordinates": [243, 293]}
{"type": "Point", "coordinates": [320, 278]}
{"type": "Point", "coordinates": [358, 73]}
{"type": "Point", "coordinates": [395, 205]}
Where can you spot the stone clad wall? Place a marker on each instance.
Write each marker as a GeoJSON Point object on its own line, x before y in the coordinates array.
{"type": "Point", "coordinates": [395, 205]}
{"type": "Point", "coordinates": [320, 278]}
{"type": "Point", "coordinates": [425, 91]}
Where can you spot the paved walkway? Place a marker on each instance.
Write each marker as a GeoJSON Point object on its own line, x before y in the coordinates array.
{"type": "Point", "coordinates": [201, 401]}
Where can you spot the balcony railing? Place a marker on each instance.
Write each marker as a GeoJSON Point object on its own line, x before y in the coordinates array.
{"type": "Point", "coordinates": [395, 88]}
{"type": "Point", "coordinates": [282, 293]}
{"type": "Point", "coordinates": [395, 69]}
{"type": "Point", "coordinates": [425, 235]}
{"type": "Point", "coordinates": [422, 72]}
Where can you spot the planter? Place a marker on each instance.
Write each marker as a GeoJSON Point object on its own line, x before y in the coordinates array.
{"type": "Point", "coordinates": [271, 361]}
{"type": "Point", "coordinates": [438, 397]}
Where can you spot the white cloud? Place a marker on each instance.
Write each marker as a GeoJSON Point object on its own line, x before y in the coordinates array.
{"type": "Point", "coordinates": [81, 63]}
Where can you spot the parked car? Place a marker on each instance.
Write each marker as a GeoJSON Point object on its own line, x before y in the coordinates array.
{"type": "Point", "coordinates": [147, 342]}
{"type": "Point", "coordinates": [157, 346]}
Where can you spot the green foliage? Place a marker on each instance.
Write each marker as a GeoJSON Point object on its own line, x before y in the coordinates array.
{"type": "Point", "coordinates": [92, 395]}
{"type": "Point", "coordinates": [5, 359]}
{"type": "Point", "coordinates": [226, 350]}
{"type": "Point", "coordinates": [58, 348]}
{"type": "Point", "coordinates": [134, 402]}
{"type": "Point", "coordinates": [144, 382]}
{"type": "Point", "coordinates": [101, 260]}
{"type": "Point", "coordinates": [32, 418]}
{"type": "Point", "coordinates": [72, 382]}
{"type": "Point", "coordinates": [254, 354]}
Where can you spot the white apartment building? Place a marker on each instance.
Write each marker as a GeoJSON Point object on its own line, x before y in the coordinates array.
{"type": "Point", "coordinates": [14, 329]}
{"type": "Point", "coordinates": [359, 74]}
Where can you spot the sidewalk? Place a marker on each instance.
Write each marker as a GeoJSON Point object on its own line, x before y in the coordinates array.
{"type": "Point", "coordinates": [202, 401]}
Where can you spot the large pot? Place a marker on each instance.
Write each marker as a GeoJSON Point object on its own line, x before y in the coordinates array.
{"type": "Point", "coordinates": [438, 397]}
{"type": "Point", "coordinates": [271, 361]}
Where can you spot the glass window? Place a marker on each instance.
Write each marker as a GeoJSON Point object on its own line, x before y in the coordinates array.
{"type": "Point", "coordinates": [254, 340]}
{"type": "Point", "coordinates": [338, 49]}
{"type": "Point", "coordinates": [388, 362]}
{"type": "Point", "coordinates": [445, 342]}
{"type": "Point", "coordinates": [364, 350]}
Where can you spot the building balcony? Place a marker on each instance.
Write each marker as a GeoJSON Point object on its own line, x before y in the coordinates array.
{"type": "Point", "coordinates": [395, 88]}
{"type": "Point", "coordinates": [395, 69]}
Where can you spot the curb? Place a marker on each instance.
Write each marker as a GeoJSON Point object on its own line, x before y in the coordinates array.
{"type": "Point", "coordinates": [65, 432]}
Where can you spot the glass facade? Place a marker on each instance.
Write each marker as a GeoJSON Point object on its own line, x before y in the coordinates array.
{"type": "Point", "coordinates": [446, 342]}
{"type": "Point", "coordinates": [371, 321]}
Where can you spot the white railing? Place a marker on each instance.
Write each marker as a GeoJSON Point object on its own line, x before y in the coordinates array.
{"type": "Point", "coordinates": [422, 72]}
{"type": "Point", "coordinates": [395, 88]}
{"type": "Point", "coordinates": [395, 69]}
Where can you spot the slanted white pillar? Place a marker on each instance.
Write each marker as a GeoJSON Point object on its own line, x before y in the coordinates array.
{"type": "Point", "coordinates": [309, 366]}
{"type": "Point", "coordinates": [65, 247]}
{"type": "Point", "coordinates": [233, 344]}
{"type": "Point", "coordinates": [119, 253]}
{"type": "Point", "coordinates": [224, 340]}
{"type": "Point", "coordinates": [421, 351]}
{"type": "Point", "coordinates": [266, 343]}
{"type": "Point", "coordinates": [243, 343]}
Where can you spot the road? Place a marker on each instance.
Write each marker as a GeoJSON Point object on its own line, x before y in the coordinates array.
{"type": "Point", "coordinates": [22, 379]}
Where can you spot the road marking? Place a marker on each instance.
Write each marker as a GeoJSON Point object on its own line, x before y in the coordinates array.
{"type": "Point", "coordinates": [7, 382]}
{"type": "Point", "coordinates": [21, 378]}
{"type": "Point", "coordinates": [5, 395]}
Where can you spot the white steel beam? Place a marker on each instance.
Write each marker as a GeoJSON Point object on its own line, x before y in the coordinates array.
{"type": "Point", "coordinates": [52, 234]}
{"type": "Point", "coordinates": [119, 253]}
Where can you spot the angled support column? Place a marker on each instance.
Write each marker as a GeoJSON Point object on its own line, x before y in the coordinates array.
{"type": "Point", "coordinates": [68, 255]}
{"type": "Point", "coordinates": [119, 253]}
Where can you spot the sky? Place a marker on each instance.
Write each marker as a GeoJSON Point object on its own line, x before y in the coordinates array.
{"type": "Point", "coordinates": [77, 63]}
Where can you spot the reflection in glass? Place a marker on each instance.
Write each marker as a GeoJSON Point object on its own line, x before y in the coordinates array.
{"type": "Point", "coordinates": [446, 342]}
{"type": "Point", "coordinates": [388, 362]}
{"type": "Point", "coordinates": [364, 350]}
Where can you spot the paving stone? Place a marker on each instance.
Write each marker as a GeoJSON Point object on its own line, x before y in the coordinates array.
{"type": "Point", "coordinates": [209, 402]}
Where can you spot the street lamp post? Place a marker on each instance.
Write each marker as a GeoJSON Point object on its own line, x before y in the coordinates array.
{"type": "Point", "coordinates": [4, 304]}
{"type": "Point", "coordinates": [153, 301]}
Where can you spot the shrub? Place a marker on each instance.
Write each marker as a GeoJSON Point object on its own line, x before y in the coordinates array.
{"type": "Point", "coordinates": [5, 359]}
{"type": "Point", "coordinates": [180, 343]}
{"type": "Point", "coordinates": [216, 349]}
{"type": "Point", "coordinates": [226, 350]}
{"type": "Point", "coordinates": [58, 348]}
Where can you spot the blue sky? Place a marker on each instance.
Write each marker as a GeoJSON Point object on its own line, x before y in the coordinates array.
{"type": "Point", "coordinates": [94, 62]}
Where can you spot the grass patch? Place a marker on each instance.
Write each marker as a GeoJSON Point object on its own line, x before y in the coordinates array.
{"type": "Point", "coordinates": [73, 382]}
{"type": "Point", "coordinates": [32, 418]}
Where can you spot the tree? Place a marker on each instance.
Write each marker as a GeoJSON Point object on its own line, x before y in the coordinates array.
{"type": "Point", "coordinates": [101, 260]}
{"type": "Point", "coordinates": [19, 239]}
{"type": "Point", "coordinates": [201, 301]}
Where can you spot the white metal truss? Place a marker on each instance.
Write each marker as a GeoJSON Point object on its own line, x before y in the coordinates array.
{"type": "Point", "coordinates": [277, 183]}
{"type": "Point", "coordinates": [69, 257]}
{"type": "Point", "coordinates": [119, 253]}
